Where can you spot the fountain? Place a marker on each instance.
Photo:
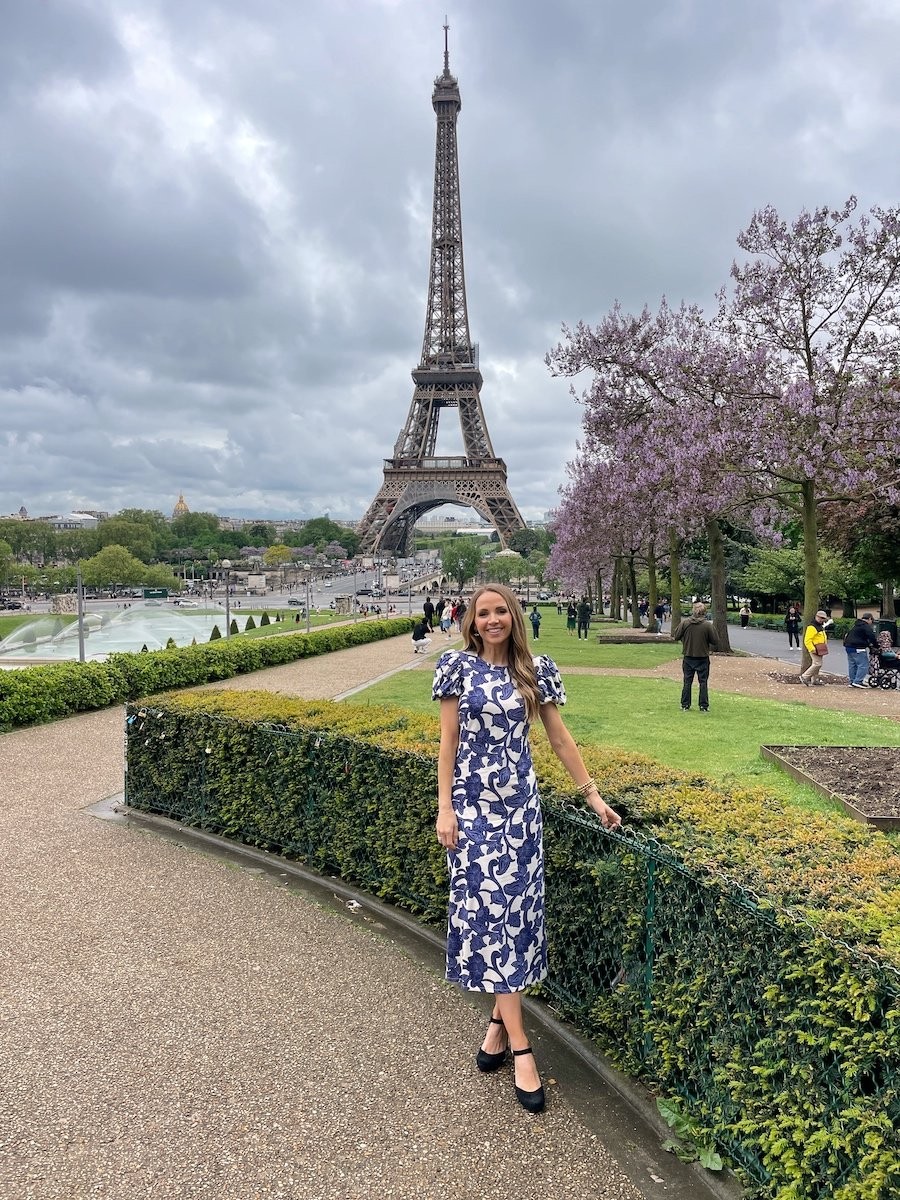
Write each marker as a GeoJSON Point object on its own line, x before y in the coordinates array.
{"type": "Point", "coordinates": [51, 639]}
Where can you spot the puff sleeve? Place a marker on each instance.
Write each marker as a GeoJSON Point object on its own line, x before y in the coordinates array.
{"type": "Point", "coordinates": [550, 685]}
{"type": "Point", "coordinates": [447, 676]}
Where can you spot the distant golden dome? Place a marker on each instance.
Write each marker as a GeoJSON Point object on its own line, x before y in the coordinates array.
{"type": "Point", "coordinates": [180, 509]}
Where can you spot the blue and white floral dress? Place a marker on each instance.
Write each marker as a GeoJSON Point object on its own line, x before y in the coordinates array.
{"type": "Point", "coordinates": [495, 930]}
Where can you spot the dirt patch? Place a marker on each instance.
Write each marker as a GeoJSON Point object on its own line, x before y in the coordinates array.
{"type": "Point", "coordinates": [866, 777]}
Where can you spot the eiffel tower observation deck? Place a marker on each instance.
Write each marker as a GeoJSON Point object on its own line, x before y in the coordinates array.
{"type": "Point", "coordinates": [416, 480]}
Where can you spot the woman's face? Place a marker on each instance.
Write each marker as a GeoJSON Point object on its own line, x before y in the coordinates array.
{"type": "Point", "coordinates": [493, 620]}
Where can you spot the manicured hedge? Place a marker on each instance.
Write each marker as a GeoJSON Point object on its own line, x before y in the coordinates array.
{"type": "Point", "coordinates": [701, 953]}
{"type": "Point", "coordinates": [34, 695]}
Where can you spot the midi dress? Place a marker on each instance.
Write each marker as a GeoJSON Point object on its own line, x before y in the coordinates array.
{"type": "Point", "coordinates": [496, 940]}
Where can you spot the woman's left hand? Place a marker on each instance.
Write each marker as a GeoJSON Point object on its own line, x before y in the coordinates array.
{"type": "Point", "coordinates": [609, 818]}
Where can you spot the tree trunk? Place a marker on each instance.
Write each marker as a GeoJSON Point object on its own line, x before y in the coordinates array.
{"type": "Point", "coordinates": [888, 603]}
{"type": "Point", "coordinates": [615, 602]}
{"type": "Point", "coordinates": [674, 577]}
{"type": "Point", "coordinates": [632, 591]}
{"type": "Point", "coordinates": [849, 607]}
{"type": "Point", "coordinates": [598, 585]}
{"type": "Point", "coordinates": [652, 593]}
{"type": "Point", "coordinates": [811, 582]}
{"type": "Point", "coordinates": [717, 583]}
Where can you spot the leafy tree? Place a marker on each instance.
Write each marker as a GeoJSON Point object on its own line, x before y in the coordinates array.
{"type": "Point", "coordinates": [193, 526]}
{"type": "Point", "coordinates": [160, 576]}
{"type": "Point", "coordinates": [137, 538]}
{"type": "Point", "coordinates": [72, 545]}
{"type": "Point", "coordinates": [260, 533]}
{"type": "Point", "coordinates": [815, 321]}
{"type": "Point", "coordinates": [523, 541]}
{"type": "Point", "coordinates": [6, 558]}
{"type": "Point", "coordinates": [462, 560]}
{"type": "Point", "coordinates": [322, 530]}
{"type": "Point", "coordinates": [277, 555]}
{"type": "Point", "coordinates": [501, 567]}
{"type": "Point", "coordinates": [114, 567]}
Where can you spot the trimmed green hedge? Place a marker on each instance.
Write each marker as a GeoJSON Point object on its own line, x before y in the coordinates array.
{"type": "Point", "coordinates": [33, 695]}
{"type": "Point", "coordinates": [699, 953]}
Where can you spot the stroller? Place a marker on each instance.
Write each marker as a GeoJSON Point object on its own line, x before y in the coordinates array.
{"type": "Point", "coordinates": [884, 663]}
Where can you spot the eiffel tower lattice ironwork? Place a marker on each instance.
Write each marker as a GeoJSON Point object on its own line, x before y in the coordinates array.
{"type": "Point", "coordinates": [415, 479]}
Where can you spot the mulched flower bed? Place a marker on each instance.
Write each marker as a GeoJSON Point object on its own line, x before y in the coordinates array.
{"type": "Point", "coordinates": [865, 779]}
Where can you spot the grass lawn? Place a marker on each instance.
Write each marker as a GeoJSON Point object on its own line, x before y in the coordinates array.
{"type": "Point", "coordinates": [643, 715]}
{"type": "Point", "coordinates": [576, 652]}
{"type": "Point", "coordinates": [13, 621]}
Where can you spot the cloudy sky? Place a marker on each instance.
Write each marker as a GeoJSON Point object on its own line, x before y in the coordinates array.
{"type": "Point", "coordinates": [215, 218]}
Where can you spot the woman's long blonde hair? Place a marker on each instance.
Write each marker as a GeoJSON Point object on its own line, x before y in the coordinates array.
{"type": "Point", "coordinates": [521, 662]}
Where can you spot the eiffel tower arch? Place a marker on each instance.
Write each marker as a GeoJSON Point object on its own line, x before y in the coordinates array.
{"type": "Point", "coordinates": [416, 480]}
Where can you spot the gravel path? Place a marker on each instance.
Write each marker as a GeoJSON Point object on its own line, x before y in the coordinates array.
{"type": "Point", "coordinates": [175, 1027]}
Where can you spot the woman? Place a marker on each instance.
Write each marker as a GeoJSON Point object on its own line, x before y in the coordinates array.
{"type": "Point", "coordinates": [815, 639]}
{"type": "Point", "coordinates": [489, 818]}
{"type": "Point", "coordinates": [571, 616]}
{"type": "Point", "coordinates": [792, 625]}
{"type": "Point", "coordinates": [745, 615]}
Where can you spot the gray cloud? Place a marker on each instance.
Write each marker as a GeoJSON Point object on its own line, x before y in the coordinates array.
{"type": "Point", "coordinates": [215, 219]}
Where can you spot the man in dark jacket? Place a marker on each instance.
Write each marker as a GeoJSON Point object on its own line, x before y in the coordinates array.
{"type": "Point", "coordinates": [697, 638]}
{"type": "Point", "coordinates": [428, 610]}
{"type": "Point", "coordinates": [857, 642]}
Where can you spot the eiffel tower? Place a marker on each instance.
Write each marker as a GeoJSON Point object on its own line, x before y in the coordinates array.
{"type": "Point", "coordinates": [415, 480]}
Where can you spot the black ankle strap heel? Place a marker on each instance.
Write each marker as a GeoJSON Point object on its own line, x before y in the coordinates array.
{"type": "Point", "coordinates": [532, 1102]}
{"type": "Point", "coordinates": [492, 1062]}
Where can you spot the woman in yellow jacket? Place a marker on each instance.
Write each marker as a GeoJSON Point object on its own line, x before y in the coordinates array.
{"type": "Point", "coordinates": [816, 642]}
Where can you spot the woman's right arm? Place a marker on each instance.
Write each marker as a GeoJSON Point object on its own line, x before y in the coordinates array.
{"type": "Point", "coordinates": [446, 826]}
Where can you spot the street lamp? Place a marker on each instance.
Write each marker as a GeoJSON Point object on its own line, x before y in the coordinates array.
{"type": "Point", "coordinates": [461, 566]}
{"type": "Point", "coordinates": [308, 569]}
{"type": "Point", "coordinates": [226, 567]}
{"type": "Point", "coordinates": [79, 599]}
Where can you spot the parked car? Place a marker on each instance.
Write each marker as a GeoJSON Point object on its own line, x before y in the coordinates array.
{"type": "Point", "coordinates": [10, 604]}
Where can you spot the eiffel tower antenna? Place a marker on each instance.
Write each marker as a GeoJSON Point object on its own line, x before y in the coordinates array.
{"type": "Point", "coordinates": [415, 479]}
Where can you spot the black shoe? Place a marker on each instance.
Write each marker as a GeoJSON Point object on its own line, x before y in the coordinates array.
{"type": "Point", "coordinates": [685, 708]}
{"type": "Point", "coordinates": [492, 1062]}
{"type": "Point", "coordinates": [532, 1102]}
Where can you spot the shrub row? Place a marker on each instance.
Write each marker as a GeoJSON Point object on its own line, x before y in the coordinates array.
{"type": "Point", "coordinates": [37, 694]}
{"type": "Point", "coordinates": [675, 952]}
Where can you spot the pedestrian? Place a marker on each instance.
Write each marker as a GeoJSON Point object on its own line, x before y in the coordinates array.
{"type": "Point", "coordinates": [584, 617]}
{"type": "Point", "coordinates": [460, 613]}
{"type": "Point", "coordinates": [446, 619]}
{"type": "Point", "coordinates": [428, 610]}
{"type": "Point", "coordinates": [745, 615]}
{"type": "Point", "coordinates": [792, 624]}
{"type": "Point", "coordinates": [857, 642]}
{"type": "Point", "coordinates": [420, 636]}
{"type": "Point", "coordinates": [815, 640]}
{"type": "Point", "coordinates": [698, 639]}
{"type": "Point", "coordinates": [535, 618]}
{"type": "Point", "coordinates": [660, 613]}
{"type": "Point", "coordinates": [489, 821]}
{"type": "Point", "coordinates": [571, 617]}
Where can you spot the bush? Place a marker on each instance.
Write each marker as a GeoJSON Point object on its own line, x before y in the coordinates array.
{"type": "Point", "coordinates": [264, 620]}
{"type": "Point", "coordinates": [233, 628]}
{"type": "Point", "coordinates": [251, 624]}
{"type": "Point", "coordinates": [38, 694]}
{"type": "Point", "coordinates": [216, 634]}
